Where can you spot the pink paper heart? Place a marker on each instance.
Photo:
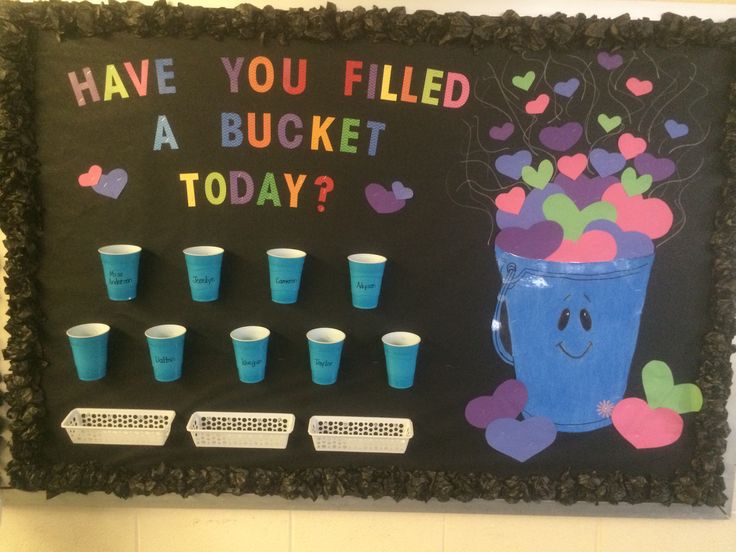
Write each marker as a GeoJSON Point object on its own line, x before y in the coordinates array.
{"type": "Point", "coordinates": [639, 87]}
{"type": "Point", "coordinates": [630, 146]}
{"type": "Point", "coordinates": [572, 166]}
{"type": "Point", "coordinates": [512, 201]}
{"type": "Point", "coordinates": [592, 247]}
{"type": "Point", "coordinates": [645, 427]}
{"type": "Point", "coordinates": [91, 177]}
{"type": "Point", "coordinates": [652, 216]}
{"type": "Point", "coordinates": [537, 106]}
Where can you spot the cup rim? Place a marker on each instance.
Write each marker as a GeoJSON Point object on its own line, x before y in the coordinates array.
{"type": "Point", "coordinates": [203, 250]}
{"type": "Point", "coordinates": [367, 258]}
{"type": "Point", "coordinates": [261, 331]}
{"type": "Point", "coordinates": [286, 253]}
{"type": "Point", "coordinates": [98, 327]}
{"type": "Point", "coordinates": [312, 335]}
{"type": "Point", "coordinates": [413, 338]}
{"type": "Point", "coordinates": [171, 330]}
{"type": "Point", "coordinates": [119, 249]}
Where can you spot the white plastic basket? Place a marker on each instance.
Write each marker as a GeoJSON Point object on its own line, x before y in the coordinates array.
{"type": "Point", "coordinates": [241, 429]}
{"type": "Point", "coordinates": [115, 426]}
{"type": "Point", "coordinates": [359, 434]}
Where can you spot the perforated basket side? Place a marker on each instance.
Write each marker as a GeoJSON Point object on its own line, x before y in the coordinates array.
{"type": "Point", "coordinates": [360, 434]}
{"type": "Point", "coordinates": [118, 426]}
{"type": "Point", "coordinates": [241, 429]}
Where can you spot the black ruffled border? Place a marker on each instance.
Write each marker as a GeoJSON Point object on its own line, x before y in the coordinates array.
{"type": "Point", "coordinates": [21, 221]}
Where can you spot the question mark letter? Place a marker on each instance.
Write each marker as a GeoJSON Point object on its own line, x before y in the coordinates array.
{"type": "Point", "coordinates": [326, 185]}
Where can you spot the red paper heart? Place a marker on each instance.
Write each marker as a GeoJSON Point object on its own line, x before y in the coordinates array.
{"type": "Point", "coordinates": [638, 87]}
{"type": "Point", "coordinates": [512, 201]}
{"type": "Point", "coordinates": [572, 166]}
{"type": "Point", "coordinates": [91, 177]}
{"type": "Point", "coordinates": [652, 217]}
{"type": "Point", "coordinates": [646, 427]}
{"type": "Point", "coordinates": [537, 107]}
{"type": "Point", "coordinates": [593, 246]}
{"type": "Point", "coordinates": [630, 146]}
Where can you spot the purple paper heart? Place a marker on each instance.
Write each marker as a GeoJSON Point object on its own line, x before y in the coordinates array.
{"type": "Point", "coordinates": [629, 245]}
{"type": "Point", "coordinates": [382, 200]}
{"type": "Point", "coordinates": [531, 212]}
{"type": "Point", "coordinates": [606, 163]}
{"type": "Point", "coordinates": [537, 242]}
{"type": "Point", "coordinates": [521, 440]}
{"type": "Point", "coordinates": [585, 190]}
{"type": "Point", "coordinates": [400, 191]}
{"type": "Point", "coordinates": [610, 61]}
{"type": "Point", "coordinates": [511, 165]}
{"type": "Point", "coordinates": [567, 88]}
{"type": "Point", "coordinates": [675, 129]}
{"type": "Point", "coordinates": [502, 132]}
{"type": "Point", "coordinates": [659, 167]}
{"type": "Point", "coordinates": [506, 402]}
{"type": "Point", "coordinates": [561, 138]}
{"type": "Point", "coordinates": [112, 183]}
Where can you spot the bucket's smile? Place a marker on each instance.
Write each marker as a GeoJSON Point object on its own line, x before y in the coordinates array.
{"type": "Point", "coordinates": [581, 355]}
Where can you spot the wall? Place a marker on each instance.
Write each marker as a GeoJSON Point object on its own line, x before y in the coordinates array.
{"type": "Point", "coordinates": [100, 523]}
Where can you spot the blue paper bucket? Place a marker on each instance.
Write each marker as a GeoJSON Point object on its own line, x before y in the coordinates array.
{"type": "Point", "coordinates": [573, 329]}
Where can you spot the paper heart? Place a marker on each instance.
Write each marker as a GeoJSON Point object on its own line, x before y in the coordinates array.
{"type": "Point", "coordinates": [382, 200]}
{"type": "Point", "coordinates": [562, 210]}
{"type": "Point", "coordinates": [511, 201]}
{"type": "Point", "coordinates": [536, 242]}
{"type": "Point", "coordinates": [606, 163]}
{"type": "Point", "coordinates": [572, 166]}
{"type": "Point", "coordinates": [584, 190]}
{"type": "Point", "coordinates": [521, 440]}
{"type": "Point", "coordinates": [661, 391]}
{"type": "Point", "coordinates": [112, 184]}
{"type": "Point", "coordinates": [501, 133]}
{"type": "Point", "coordinates": [610, 61]}
{"type": "Point", "coordinates": [524, 82]}
{"type": "Point", "coordinates": [675, 129]}
{"type": "Point", "coordinates": [538, 105]}
{"type": "Point", "coordinates": [91, 177]}
{"type": "Point", "coordinates": [652, 216]}
{"type": "Point", "coordinates": [644, 427]}
{"type": "Point", "coordinates": [531, 212]}
{"type": "Point", "coordinates": [561, 138]}
{"type": "Point", "coordinates": [567, 88]}
{"type": "Point", "coordinates": [507, 401]}
{"type": "Point", "coordinates": [592, 247]}
{"type": "Point", "coordinates": [540, 177]}
{"type": "Point", "coordinates": [400, 191]}
{"type": "Point", "coordinates": [511, 165]}
{"type": "Point", "coordinates": [635, 185]}
{"type": "Point", "coordinates": [630, 146]}
{"type": "Point", "coordinates": [639, 87]}
{"type": "Point", "coordinates": [629, 245]}
{"type": "Point", "coordinates": [659, 168]}
{"type": "Point", "coordinates": [609, 123]}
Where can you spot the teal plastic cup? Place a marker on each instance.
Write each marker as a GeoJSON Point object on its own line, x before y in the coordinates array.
{"type": "Point", "coordinates": [120, 268]}
{"type": "Point", "coordinates": [250, 344]}
{"type": "Point", "coordinates": [285, 274]}
{"type": "Point", "coordinates": [366, 274]}
{"type": "Point", "coordinates": [325, 350]}
{"type": "Point", "coordinates": [401, 350]}
{"type": "Point", "coordinates": [166, 346]}
{"type": "Point", "coordinates": [89, 350]}
{"type": "Point", "coordinates": [204, 264]}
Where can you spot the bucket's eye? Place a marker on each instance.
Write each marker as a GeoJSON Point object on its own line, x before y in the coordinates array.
{"type": "Point", "coordinates": [564, 319]}
{"type": "Point", "coordinates": [585, 320]}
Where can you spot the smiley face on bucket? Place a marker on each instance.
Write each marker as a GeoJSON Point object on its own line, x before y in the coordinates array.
{"type": "Point", "coordinates": [575, 326]}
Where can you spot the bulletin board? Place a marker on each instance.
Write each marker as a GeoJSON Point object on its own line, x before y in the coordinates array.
{"type": "Point", "coordinates": [554, 197]}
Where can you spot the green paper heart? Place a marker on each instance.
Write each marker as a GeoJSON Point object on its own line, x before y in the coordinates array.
{"type": "Point", "coordinates": [635, 185]}
{"type": "Point", "coordinates": [540, 177]}
{"type": "Point", "coordinates": [525, 82]}
{"type": "Point", "coordinates": [562, 210]}
{"type": "Point", "coordinates": [661, 391]}
{"type": "Point", "coordinates": [609, 123]}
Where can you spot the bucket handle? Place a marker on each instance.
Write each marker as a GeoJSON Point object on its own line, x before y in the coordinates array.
{"type": "Point", "coordinates": [507, 357]}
